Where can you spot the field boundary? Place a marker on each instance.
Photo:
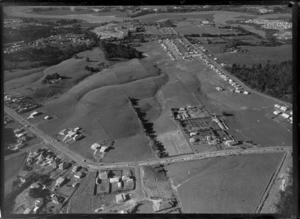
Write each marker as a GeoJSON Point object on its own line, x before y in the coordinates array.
{"type": "Point", "coordinates": [270, 184]}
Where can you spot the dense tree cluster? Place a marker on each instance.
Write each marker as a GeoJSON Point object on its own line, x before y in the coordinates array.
{"type": "Point", "coordinates": [112, 50]}
{"type": "Point", "coordinates": [49, 78]}
{"type": "Point", "coordinates": [272, 79]}
{"type": "Point", "coordinates": [91, 69]}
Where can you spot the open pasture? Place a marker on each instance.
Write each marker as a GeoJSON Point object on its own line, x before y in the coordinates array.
{"type": "Point", "coordinates": [175, 143]}
{"type": "Point", "coordinates": [102, 99]}
{"type": "Point", "coordinates": [223, 185]}
{"type": "Point", "coordinates": [258, 54]}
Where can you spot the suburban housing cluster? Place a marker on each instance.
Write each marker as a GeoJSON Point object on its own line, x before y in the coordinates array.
{"type": "Point", "coordinates": [270, 24]}
{"type": "Point", "coordinates": [54, 40]}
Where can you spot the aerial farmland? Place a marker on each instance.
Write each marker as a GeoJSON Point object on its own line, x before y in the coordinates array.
{"type": "Point", "coordinates": [147, 109]}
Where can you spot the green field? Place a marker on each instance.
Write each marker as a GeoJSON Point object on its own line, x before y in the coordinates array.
{"type": "Point", "coordinates": [273, 54]}
{"type": "Point", "coordinates": [223, 185]}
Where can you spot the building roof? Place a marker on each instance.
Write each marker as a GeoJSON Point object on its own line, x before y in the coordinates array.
{"type": "Point", "coordinates": [95, 146]}
{"type": "Point", "coordinates": [27, 211]}
{"type": "Point", "coordinates": [115, 179]}
{"type": "Point", "coordinates": [120, 197]}
{"type": "Point", "coordinates": [78, 175]}
{"type": "Point", "coordinates": [103, 149]}
{"type": "Point", "coordinates": [60, 180]}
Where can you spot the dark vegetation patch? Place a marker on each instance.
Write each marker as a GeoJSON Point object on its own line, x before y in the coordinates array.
{"type": "Point", "coordinates": [112, 50]}
{"type": "Point", "coordinates": [286, 204]}
{"type": "Point", "coordinates": [272, 79]}
{"type": "Point", "coordinates": [18, 188]}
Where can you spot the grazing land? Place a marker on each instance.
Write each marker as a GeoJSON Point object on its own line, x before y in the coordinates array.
{"type": "Point", "coordinates": [207, 186]}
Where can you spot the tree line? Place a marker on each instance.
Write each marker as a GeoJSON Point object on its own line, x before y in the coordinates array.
{"type": "Point", "coordinates": [112, 50]}
{"type": "Point", "coordinates": [272, 79]}
{"type": "Point", "coordinates": [156, 145]}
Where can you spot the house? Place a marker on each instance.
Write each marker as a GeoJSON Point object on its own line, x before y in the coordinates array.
{"type": "Point", "coordinates": [284, 108]}
{"type": "Point", "coordinates": [119, 184]}
{"type": "Point", "coordinates": [77, 137]}
{"type": "Point", "coordinates": [47, 117]}
{"type": "Point", "coordinates": [115, 179]}
{"type": "Point", "coordinates": [16, 131]}
{"type": "Point", "coordinates": [63, 132]}
{"type": "Point", "coordinates": [78, 175]}
{"type": "Point", "coordinates": [75, 184]}
{"type": "Point", "coordinates": [20, 135]}
{"type": "Point", "coordinates": [56, 199]}
{"type": "Point", "coordinates": [59, 181]}
{"type": "Point", "coordinates": [276, 112]}
{"type": "Point", "coordinates": [120, 198]}
{"type": "Point", "coordinates": [70, 134]}
{"type": "Point", "coordinates": [193, 134]}
{"type": "Point", "coordinates": [33, 114]}
{"type": "Point", "coordinates": [75, 169]}
{"type": "Point", "coordinates": [95, 146]}
{"type": "Point", "coordinates": [35, 185]}
{"type": "Point", "coordinates": [103, 149]}
{"type": "Point", "coordinates": [37, 204]}
{"type": "Point", "coordinates": [230, 143]}
{"type": "Point", "coordinates": [27, 211]}
{"type": "Point", "coordinates": [277, 106]}
{"type": "Point", "coordinates": [285, 115]}
{"type": "Point", "coordinates": [77, 129]}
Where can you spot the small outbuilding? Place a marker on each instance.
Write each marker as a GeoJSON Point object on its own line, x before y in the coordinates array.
{"type": "Point", "coordinates": [120, 198]}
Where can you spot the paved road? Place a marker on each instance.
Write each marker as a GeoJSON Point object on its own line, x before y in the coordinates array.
{"type": "Point", "coordinates": [47, 139]}
{"type": "Point", "coordinates": [218, 66]}
{"type": "Point", "coordinates": [93, 165]}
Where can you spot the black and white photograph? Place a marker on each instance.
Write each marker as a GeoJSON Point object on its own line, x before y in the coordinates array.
{"type": "Point", "coordinates": [147, 109]}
